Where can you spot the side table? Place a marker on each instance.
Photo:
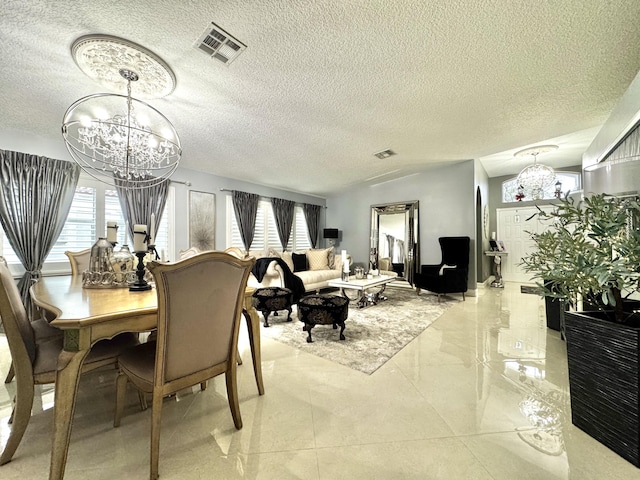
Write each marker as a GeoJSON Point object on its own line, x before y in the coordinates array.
{"type": "Point", "coordinates": [323, 310]}
{"type": "Point", "coordinates": [272, 299]}
{"type": "Point", "coordinates": [497, 267]}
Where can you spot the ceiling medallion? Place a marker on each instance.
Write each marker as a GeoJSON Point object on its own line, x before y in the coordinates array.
{"type": "Point", "coordinates": [102, 57]}
{"type": "Point", "coordinates": [115, 138]}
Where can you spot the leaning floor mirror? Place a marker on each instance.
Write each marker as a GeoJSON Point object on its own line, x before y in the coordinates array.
{"type": "Point", "coordinates": [395, 238]}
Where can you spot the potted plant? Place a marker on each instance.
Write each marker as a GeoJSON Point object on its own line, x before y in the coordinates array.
{"type": "Point", "coordinates": [589, 256]}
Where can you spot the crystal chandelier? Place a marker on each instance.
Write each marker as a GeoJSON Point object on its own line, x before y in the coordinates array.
{"type": "Point", "coordinates": [115, 137]}
{"type": "Point", "coordinates": [534, 179]}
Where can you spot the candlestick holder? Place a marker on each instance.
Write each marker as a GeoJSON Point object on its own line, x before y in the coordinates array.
{"type": "Point", "coordinates": [140, 284]}
{"type": "Point", "coordinates": [345, 276]}
{"type": "Point", "coordinates": [153, 252]}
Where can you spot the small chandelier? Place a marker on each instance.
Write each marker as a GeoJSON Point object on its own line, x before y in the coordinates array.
{"type": "Point", "coordinates": [535, 178]}
{"type": "Point", "coordinates": [115, 137]}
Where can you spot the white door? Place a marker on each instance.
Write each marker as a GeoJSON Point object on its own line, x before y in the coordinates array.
{"type": "Point", "coordinates": [515, 231]}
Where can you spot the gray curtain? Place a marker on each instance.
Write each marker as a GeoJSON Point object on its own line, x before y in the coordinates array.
{"type": "Point", "coordinates": [312, 216]}
{"type": "Point", "coordinates": [35, 197]}
{"type": "Point", "coordinates": [138, 204]}
{"type": "Point", "coordinates": [245, 207]}
{"type": "Point", "coordinates": [283, 211]}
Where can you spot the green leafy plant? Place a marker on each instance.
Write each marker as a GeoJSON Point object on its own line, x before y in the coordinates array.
{"type": "Point", "coordinates": [590, 251]}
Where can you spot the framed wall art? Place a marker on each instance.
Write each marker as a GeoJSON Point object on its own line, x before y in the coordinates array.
{"type": "Point", "coordinates": [202, 216]}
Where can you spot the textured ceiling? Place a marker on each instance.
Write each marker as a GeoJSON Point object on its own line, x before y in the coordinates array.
{"type": "Point", "coordinates": [323, 85]}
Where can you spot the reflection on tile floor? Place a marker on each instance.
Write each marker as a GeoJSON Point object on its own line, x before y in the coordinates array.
{"type": "Point", "coordinates": [481, 394]}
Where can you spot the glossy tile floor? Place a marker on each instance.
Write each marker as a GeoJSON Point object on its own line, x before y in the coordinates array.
{"type": "Point", "coordinates": [481, 394]}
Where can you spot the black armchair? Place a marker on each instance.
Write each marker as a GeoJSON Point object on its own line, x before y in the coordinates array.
{"type": "Point", "coordinates": [452, 274]}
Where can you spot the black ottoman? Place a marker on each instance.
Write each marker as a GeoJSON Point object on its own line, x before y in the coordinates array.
{"type": "Point", "coordinates": [323, 310]}
{"type": "Point", "coordinates": [272, 299]}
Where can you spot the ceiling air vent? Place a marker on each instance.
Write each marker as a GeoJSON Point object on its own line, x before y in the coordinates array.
{"type": "Point", "coordinates": [218, 44]}
{"type": "Point", "coordinates": [385, 153]}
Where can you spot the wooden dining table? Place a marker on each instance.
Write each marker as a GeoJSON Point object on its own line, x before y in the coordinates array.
{"type": "Point", "coordinates": [87, 315]}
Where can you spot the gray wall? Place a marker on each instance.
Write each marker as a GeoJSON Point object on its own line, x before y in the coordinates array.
{"type": "Point", "coordinates": [617, 172]}
{"type": "Point", "coordinates": [211, 183]}
{"type": "Point", "coordinates": [447, 208]}
{"type": "Point", "coordinates": [25, 142]}
{"type": "Point", "coordinates": [483, 263]}
{"type": "Point", "coordinates": [447, 196]}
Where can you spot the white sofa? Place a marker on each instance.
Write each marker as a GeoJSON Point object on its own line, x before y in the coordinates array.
{"type": "Point", "coordinates": [323, 265]}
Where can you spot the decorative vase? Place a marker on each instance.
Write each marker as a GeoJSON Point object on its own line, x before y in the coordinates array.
{"type": "Point", "coordinates": [101, 252]}
{"type": "Point", "coordinates": [359, 271]}
{"type": "Point", "coordinates": [604, 362]}
{"type": "Point", "coordinates": [122, 260]}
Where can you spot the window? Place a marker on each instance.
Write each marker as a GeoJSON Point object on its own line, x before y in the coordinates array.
{"type": "Point", "coordinates": [571, 182]}
{"type": "Point", "coordinates": [266, 234]}
{"type": "Point", "coordinates": [94, 203]}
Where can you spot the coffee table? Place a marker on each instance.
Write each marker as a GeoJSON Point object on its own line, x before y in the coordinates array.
{"type": "Point", "coordinates": [368, 290]}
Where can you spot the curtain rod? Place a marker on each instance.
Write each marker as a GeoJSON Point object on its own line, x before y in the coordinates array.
{"type": "Point", "coordinates": [265, 197]}
{"type": "Point", "coordinates": [181, 182]}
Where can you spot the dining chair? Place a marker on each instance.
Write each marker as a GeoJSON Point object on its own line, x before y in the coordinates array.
{"type": "Point", "coordinates": [188, 253]}
{"type": "Point", "coordinates": [79, 260]}
{"type": "Point", "coordinates": [200, 302]}
{"type": "Point", "coordinates": [236, 252]}
{"type": "Point", "coordinates": [41, 328]}
{"type": "Point", "coordinates": [192, 251]}
{"type": "Point", "coordinates": [35, 359]}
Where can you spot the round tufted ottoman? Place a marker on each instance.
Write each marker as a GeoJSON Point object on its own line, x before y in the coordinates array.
{"type": "Point", "coordinates": [323, 310]}
{"type": "Point", "coordinates": [272, 299]}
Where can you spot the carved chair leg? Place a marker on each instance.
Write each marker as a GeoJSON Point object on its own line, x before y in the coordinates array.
{"type": "Point", "coordinates": [13, 413]}
{"type": "Point", "coordinates": [232, 395]}
{"type": "Point", "coordinates": [10, 375]}
{"type": "Point", "coordinates": [121, 389]}
{"type": "Point", "coordinates": [143, 400]}
{"type": "Point", "coordinates": [20, 419]}
{"type": "Point", "coordinates": [156, 416]}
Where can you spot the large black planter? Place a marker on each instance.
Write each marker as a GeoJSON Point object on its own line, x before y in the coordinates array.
{"type": "Point", "coordinates": [554, 308]}
{"type": "Point", "coordinates": [603, 362]}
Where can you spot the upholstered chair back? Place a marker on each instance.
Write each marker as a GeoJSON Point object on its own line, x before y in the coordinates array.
{"type": "Point", "coordinates": [20, 333]}
{"type": "Point", "coordinates": [455, 251]}
{"type": "Point", "coordinates": [188, 253]}
{"type": "Point", "coordinates": [200, 302]}
{"type": "Point", "coordinates": [79, 260]}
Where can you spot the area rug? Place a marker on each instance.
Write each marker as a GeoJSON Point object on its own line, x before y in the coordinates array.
{"type": "Point", "coordinates": [373, 334]}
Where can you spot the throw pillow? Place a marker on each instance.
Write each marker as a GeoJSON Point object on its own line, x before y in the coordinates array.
{"type": "Point", "coordinates": [273, 253]}
{"type": "Point", "coordinates": [299, 262]}
{"type": "Point", "coordinates": [318, 259]}
{"type": "Point", "coordinates": [332, 258]}
{"type": "Point", "coordinates": [288, 259]}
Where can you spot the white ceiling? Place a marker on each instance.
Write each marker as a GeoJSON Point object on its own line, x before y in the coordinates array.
{"type": "Point", "coordinates": [325, 84]}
